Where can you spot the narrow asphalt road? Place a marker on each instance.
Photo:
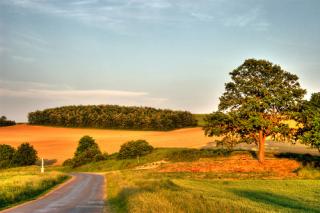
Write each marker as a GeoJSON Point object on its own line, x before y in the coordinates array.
{"type": "Point", "coordinates": [83, 194]}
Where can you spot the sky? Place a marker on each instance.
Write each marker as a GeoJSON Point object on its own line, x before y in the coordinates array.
{"type": "Point", "coordinates": [173, 54]}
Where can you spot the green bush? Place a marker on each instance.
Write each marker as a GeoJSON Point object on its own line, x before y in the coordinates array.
{"type": "Point", "coordinates": [87, 151]}
{"type": "Point", "coordinates": [25, 155]}
{"type": "Point", "coordinates": [133, 149]}
{"type": "Point", "coordinates": [6, 155]}
{"type": "Point", "coordinates": [87, 144]}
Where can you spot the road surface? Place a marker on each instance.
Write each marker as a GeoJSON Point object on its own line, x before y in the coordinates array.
{"type": "Point", "coordinates": [83, 194]}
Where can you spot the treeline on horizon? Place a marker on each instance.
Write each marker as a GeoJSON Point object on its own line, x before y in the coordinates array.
{"type": "Point", "coordinates": [113, 117]}
{"type": "Point", "coordinates": [5, 122]}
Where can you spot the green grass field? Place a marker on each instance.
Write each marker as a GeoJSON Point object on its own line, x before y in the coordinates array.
{"type": "Point", "coordinates": [143, 191]}
{"type": "Point", "coordinates": [148, 190]}
{"type": "Point", "coordinates": [26, 183]}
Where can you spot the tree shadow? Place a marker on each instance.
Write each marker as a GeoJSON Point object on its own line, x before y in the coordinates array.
{"type": "Point", "coordinates": [121, 200]}
{"type": "Point", "coordinates": [304, 159]}
{"type": "Point", "coordinates": [275, 200]}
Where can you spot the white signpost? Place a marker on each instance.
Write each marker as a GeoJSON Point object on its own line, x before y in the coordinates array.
{"type": "Point", "coordinates": [42, 166]}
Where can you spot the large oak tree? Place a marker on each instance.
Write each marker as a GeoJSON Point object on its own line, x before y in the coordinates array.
{"type": "Point", "coordinates": [255, 104]}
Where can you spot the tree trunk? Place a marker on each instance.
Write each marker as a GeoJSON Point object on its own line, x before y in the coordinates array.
{"type": "Point", "coordinates": [262, 139]}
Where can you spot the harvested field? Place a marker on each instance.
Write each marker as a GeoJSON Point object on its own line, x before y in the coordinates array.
{"type": "Point", "coordinates": [60, 143]}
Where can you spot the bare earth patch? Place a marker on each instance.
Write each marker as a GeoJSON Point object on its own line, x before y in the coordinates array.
{"type": "Point", "coordinates": [236, 164]}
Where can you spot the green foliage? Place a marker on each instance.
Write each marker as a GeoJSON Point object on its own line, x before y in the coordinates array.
{"type": "Point", "coordinates": [114, 117]}
{"type": "Point", "coordinates": [25, 155]}
{"type": "Point", "coordinates": [87, 151]}
{"type": "Point", "coordinates": [5, 122]}
{"type": "Point", "coordinates": [188, 155]}
{"type": "Point", "coordinates": [87, 143]}
{"type": "Point", "coordinates": [133, 149]}
{"type": "Point", "coordinates": [258, 99]}
{"type": "Point", "coordinates": [309, 117]}
{"type": "Point", "coordinates": [6, 155]}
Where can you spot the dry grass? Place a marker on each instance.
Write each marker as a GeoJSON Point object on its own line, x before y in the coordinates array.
{"type": "Point", "coordinates": [242, 164]}
{"type": "Point", "coordinates": [143, 191]}
{"type": "Point", "coordinates": [60, 143]}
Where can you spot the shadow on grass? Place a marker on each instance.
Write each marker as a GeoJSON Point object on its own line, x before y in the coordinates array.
{"type": "Point", "coordinates": [305, 159]}
{"type": "Point", "coordinates": [119, 203]}
{"type": "Point", "coordinates": [275, 200]}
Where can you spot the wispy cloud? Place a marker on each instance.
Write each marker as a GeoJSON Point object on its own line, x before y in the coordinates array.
{"type": "Point", "coordinates": [119, 15]}
{"type": "Point", "coordinates": [35, 90]}
{"type": "Point", "coordinates": [24, 59]}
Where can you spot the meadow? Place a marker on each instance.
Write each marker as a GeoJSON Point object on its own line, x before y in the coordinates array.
{"type": "Point", "coordinates": [26, 183]}
{"type": "Point", "coordinates": [189, 180]}
{"type": "Point", "coordinates": [141, 191]}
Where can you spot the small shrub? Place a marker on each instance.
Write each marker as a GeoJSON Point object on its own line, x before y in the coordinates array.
{"type": "Point", "coordinates": [133, 149]}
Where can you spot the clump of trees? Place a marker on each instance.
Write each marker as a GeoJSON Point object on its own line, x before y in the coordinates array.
{"type": "Point", "coordinates": [309, 119]}
{"type": "Point", "coordinates": [5, 122]}
{"type": "Point", "coordinates": [254, 105]}
{"type": "Point", "coordinates": [24, 155]}
{"type": "Point", "coordinates": [113, 117]}
{"type": "Point", "coordinates": [134, 149]}
{"type": "Point", "coordinates": [87, 151]}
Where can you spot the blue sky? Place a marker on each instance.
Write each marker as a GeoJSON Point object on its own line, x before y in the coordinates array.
{"type": "Point", "coordinates": [162, 53]}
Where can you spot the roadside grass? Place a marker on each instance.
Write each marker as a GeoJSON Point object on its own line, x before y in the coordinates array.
{"type": "Point", "coordinates": [146, 191]}
{"type": "Point", "coordinates": [26, 183]}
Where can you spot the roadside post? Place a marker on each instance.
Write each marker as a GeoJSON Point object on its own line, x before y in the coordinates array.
{"type": "Point", "coordinates": [42, 166]}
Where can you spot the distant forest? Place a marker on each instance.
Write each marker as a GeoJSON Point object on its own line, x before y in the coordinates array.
{"type": "Point", "coordinates": [5, 122]}
{"type": "Point", "coordinates": [113, 117]}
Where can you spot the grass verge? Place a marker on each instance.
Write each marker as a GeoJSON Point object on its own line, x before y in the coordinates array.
{"type": "Point", "coordinates": [26, 183]}
{"type": "Point", "coordinates": [146, 191]}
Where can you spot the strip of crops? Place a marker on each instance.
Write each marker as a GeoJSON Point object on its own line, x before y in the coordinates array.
{"type": "Point", "coordinates": [113, 117]}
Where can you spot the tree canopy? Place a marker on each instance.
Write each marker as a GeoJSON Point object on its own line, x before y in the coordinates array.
{"type": "Point", "coordinates": [86, 152]}
{"type": "Point", "coordinates": [113, 117]}
{"type": "Point", "coordinates": [260, 96]}
{"type": "Point", "coordinates": [309, 118]}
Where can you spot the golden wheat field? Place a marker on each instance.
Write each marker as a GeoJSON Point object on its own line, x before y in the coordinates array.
{"type": "Point", "coordinates": [60, 143]}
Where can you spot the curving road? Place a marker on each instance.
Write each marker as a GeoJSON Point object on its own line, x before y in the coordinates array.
{"type": "Point", "coordinates": [83, 194]}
